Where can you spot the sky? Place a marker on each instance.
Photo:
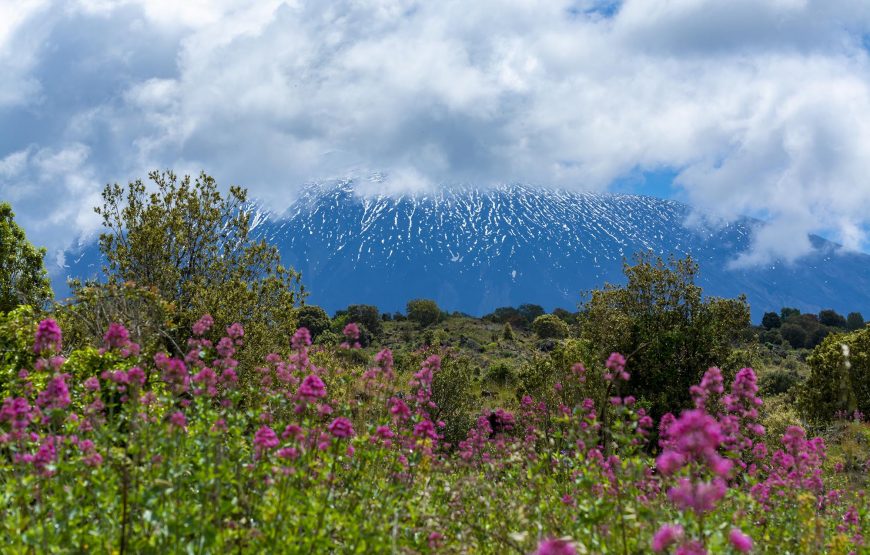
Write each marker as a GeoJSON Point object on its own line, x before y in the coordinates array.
{"type": "Point", "coordinates": [738, 107]}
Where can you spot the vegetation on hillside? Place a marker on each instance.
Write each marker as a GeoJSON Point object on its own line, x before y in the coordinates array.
{"type": "Point", "coordinates": [194, 403]}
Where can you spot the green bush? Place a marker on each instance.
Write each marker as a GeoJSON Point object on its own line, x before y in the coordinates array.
{"type": "Point", "coordinates": [549, 326]}
{"type": "Point", "coordinates": [423, 311]}
{"type": "Point", "coordinates": [839, 379]}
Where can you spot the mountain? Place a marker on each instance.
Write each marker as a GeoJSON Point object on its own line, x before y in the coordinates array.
{"type": "Point", "coordinates": [473, 249]}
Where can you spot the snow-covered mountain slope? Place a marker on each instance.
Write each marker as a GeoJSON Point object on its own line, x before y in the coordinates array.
{"type": "Point", "coordinates": [476, 249]}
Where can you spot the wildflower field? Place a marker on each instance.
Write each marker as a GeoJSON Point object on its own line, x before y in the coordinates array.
{"type": "Point", "coordinates": [112, 451]}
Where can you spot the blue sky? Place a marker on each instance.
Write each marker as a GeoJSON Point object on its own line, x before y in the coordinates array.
{"type": "Point", "coordinates": [744, 107]}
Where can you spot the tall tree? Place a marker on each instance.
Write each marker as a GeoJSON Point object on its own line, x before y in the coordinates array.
{"type": "Point", "coordinates": [193, 245]}
{"type": "Point", "coordinates": [662, 320]}
{"type": "Point", "coordinates": [23, 279]}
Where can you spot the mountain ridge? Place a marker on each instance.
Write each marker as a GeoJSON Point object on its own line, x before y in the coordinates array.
{"type": "Point", "coordinates": [473, 249]}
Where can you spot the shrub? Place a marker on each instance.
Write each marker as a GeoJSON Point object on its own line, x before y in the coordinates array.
{"type": "Point", "coordinates": [368, 316]}
{"type": "Point", "coordinates": [314, 319]}
{"type": "Point", "coordinates": [423, 311]}
{"type": "Point", "coordinates": [549, 326]}
{"type": "Point", "coordinates": [839, 379]}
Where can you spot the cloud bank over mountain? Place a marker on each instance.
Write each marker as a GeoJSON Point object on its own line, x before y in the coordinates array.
{"type": "Point", "coordinates": [759, 108]}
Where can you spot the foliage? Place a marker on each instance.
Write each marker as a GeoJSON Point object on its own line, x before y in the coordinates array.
{"type": "Point", "coordinates": [854, 321]}
{"type": "Point", "coordinates": [111, 451]}
{"type": "Point", "coordinates": [771, 320]}
{"type": "Point", "coordinates": [314, 319]}
{"type": "Point", "coordinates": [16, 344]}
{"type": "Point", "coordinates": [831, 318]}
{"type": "Point", "coordinates": [366, 315]}
{"type": "Point", "coordinates": [193, 247]}
{"type": "Point", "coordinates": [839, 380]}
{"type": "Point", "coordinates": [507, 332]}
{"type": "Point", "coordinates": [148, 317]}
{"type": "Point", "coordinates": [23, 279]}
{"type": "Point", "coordinates": [423, 311]}
{"type": "Point", "coordinates": [550, 326]}
{"type": "Point", "coordinates": [670, 330]}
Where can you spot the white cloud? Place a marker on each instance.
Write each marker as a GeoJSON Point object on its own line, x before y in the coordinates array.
{"type": "Point", "coordinates": [762, 107]}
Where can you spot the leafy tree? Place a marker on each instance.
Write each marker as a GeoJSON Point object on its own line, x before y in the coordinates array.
{"type": "Point", "coordinates": [423, 311]}
{"type": "Point", "coordinates": [529, 312]}
{"type": "Point", "coordinates": [839, 377]}
{"type": "Point", "coordinates": [670, 333]}
{"type": "Point", "coordinates": [785, 313]}
{"type": "Point", "coordinates": [193, 246]}
{"type": "Point", "coordinates": [566, 316]}
{"type": "Point", "coordinates": [314, 318]}
{"type": "Point", "coordinates": [23, 280]}
{"type": "Point", "coordinates": [507, 315]}
{"type": "Point", "coordinates": [771, 320]}
{"type": "Point", "coordinates": [831, 318]}
{"type": "Point", "coordinates": [854, 321]}
{"type": "Point", "coordinates": [148, 317]}
{"type": "Point", "coordinates": [794, 334]}
{"type": "Point", "coordinates": [550, 326]}
{"type": "Point", "coordinates": [366, 315]}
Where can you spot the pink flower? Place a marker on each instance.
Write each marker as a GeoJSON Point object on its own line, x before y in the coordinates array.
{"type": "Point", "coordinates": [616, 364]}
{"type": "Point", "coordinates": [425, 429]}
{"type": "Point", "coordinates": [116, 337]}
{"type": "Point", "coordinates": [48, 338]}
{"type": "Point", "coordinates": [399, 409]}
{"type": "Point", "coordinates": [55, 395]}
{"type": "Point", "coordinates": [178, 420]}
{"type": "Point", "coordinates": [700, 497]}
{"type": "Point", "coordinates": [341, 428]}
{"type": "Point", "coordinates": [555, 547]}
{"type": "Point", "coordinates": [740, 541]}
{"type": "Point", "coordinates": [203, 325]}
{"type": "Point", "coordinates": [666, 536]}
{"type": "Point", "coordinates": [351, 334]}
{"type": "Point", "coordinates": [301, 339]}
{"type": "Point", "coordinates": [312, 388]}
{"type": "Point", "coordinates": [92, 384]}
{"type": "Point", "coordinates": [236, 331]}
{"type": "Point", "coordinates": [265, 439]}
{"type": "Point", "coordinates": [691, 548]}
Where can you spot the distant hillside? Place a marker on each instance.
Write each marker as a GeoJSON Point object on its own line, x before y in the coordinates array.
{"type": "Point", "coordinates": [475, 249]}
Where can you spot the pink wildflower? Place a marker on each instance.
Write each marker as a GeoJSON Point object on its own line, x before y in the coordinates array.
{"type": "Point", "coordinates": [48, 338]}
{"type": "Point", "coordinates": [740, 541]}
{"type": "Point", "coordinates": [312, 388]}
{"type": "Point", "coordinates": [203, 325]}
{"type": "Point", "coordinates": [341, 428]}
{"type": "Point", "coordinates": [555, 547]}
{"type": "Point", "coordinates": [666, 536]}
{"type": "Point", "coordinates": [178, 420]}
{"type": "Point", "coordinates": [265, 439]}
{"type": "Point", "coordinates": [55, 395]}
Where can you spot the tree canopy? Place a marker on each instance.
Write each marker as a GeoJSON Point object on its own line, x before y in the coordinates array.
{"type": "Point", "coordinates": [23, 279]}
{"type": "Point", "coordinates": [193, 245]}
{"type": "Point", "coordinates": [661, 319]}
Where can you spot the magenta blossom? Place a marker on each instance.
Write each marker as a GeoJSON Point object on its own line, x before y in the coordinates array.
{"type": "Point", "coordinates": [740, 541]}
{"type": "Point", "coordinates": [555, 547]}
{"type": "Point", "coordinates": [312, 388]}
{"type": "Point", "coordinates": [48, 338]}
{"type": "Point", "coordinates": [341, 428]}
{"type": "Point", "coordinates": [265, 439]}
{"type": "Point", "coordinates": [666, 536]}
{"type": "Point", "coordinates": [55, 395]}
{"type": "Point", "coordinates": [203, 325]}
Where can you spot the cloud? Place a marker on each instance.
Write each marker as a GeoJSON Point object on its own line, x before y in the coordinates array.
{"type": "Point", "coordinates": [759, 108]}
